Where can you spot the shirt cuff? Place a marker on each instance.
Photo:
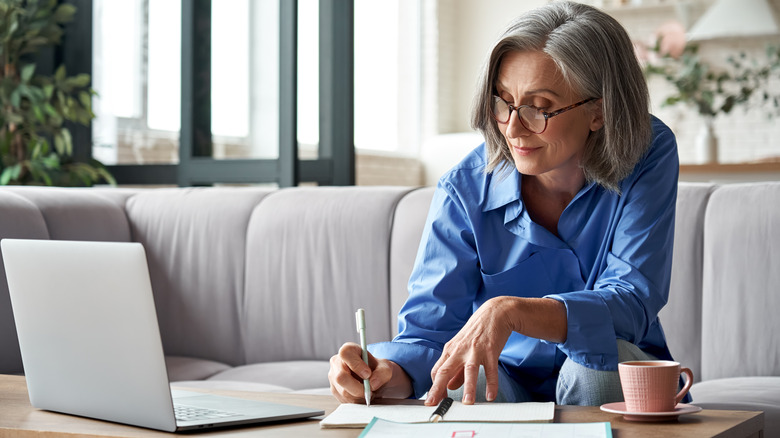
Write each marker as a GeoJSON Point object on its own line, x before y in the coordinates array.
{"type": "Point", "coordinates": [591, 339]}
{"type": "Point", "coordinates": [417, 360]}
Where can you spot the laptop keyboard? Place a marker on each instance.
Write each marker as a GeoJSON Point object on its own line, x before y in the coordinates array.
{"type": "Point", "coordinates": [192, 413]}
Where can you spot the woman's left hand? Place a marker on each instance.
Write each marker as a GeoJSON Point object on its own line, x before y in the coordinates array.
{"type": "Point", "coordinates": [479, 342]}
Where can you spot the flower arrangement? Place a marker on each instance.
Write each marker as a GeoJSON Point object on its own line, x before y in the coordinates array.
{"type": "Point", "coordinates": [743, 82]}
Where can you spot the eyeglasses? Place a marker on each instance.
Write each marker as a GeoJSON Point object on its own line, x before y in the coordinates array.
{"type": "Point", "coordinates": [532, 118]}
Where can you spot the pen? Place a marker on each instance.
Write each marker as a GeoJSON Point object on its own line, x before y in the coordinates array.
{"type": "Point", "coordinates": [360, 318]}
{"type": "Point", "coordinates": [442, 409]}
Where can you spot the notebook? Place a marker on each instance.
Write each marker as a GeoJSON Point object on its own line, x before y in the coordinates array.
{"type": "Point", "coordinates": [349, 415]}
{"type": "Point", "coordinates": [90, 341]}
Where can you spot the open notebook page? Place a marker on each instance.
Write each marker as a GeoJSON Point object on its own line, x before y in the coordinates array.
{"type": "Point", "coordinates": [354, 415]}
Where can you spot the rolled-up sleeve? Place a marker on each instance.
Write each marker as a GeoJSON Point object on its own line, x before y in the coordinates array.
{"type": "Point", "coordinates": [442, 289]}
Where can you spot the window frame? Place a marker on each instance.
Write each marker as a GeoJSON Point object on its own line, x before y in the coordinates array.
{"type": "Point", "coordinates": [335, 164]}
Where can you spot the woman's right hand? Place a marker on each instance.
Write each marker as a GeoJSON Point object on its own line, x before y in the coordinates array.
{"type": "Point", "coordinates": [347, 371]}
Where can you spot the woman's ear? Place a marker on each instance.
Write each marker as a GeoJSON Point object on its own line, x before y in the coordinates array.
{"type": "Point", "coordinates": [597, 112]}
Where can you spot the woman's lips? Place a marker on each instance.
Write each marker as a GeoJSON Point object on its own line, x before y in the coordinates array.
{"type": "Point", "coordinates": [524, 150]}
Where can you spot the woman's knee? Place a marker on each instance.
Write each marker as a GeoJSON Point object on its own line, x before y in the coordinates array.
{"type": "Point", "coordinates": [580, 385]}
{"type": "Point", "coordinates": [583, 386]}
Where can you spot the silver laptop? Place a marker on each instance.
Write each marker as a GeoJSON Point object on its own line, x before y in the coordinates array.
{"type": "Point", "coordinates": [91, 345]}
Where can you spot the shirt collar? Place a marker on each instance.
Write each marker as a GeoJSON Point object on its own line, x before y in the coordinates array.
{"type": "Point", "coordinates": [503, 188]}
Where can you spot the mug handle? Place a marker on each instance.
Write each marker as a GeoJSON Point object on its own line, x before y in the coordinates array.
{"type": "Point", "coordinates": [686, 387]}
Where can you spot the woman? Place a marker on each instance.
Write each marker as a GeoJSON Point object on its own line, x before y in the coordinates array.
{"type": "Point", "coordinates": [547, 251]}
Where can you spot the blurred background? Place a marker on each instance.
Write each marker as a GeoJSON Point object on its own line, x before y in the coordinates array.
{"type": "Point", "coordinates": [416, 63]}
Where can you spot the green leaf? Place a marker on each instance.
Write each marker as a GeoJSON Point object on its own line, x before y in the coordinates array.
{"type": "Point", "coordinates": [79, 81]}
{"type": "Point", "coordinates": [59, 144]}
{"type": "Point", "coordinates": [10, 173]}
{"type": "Point", "coordinates": [85, 100]}
{"type": "Point", "coordinates": [38, 114]}
{"type": "Point", "coordinates": [60, 74]}
{"type": "Point", "coordinates": [5, 177]}
{"type": "Point", "coordinates": [64, 13]}
{"type": "Point", "coordinates": [68, 141]}
{"type": "Point", "coordinates": [27, 73]}
{"type": "Point", "coordinates": [16, 98]}
{"type": "Point", "coordinates": [50, 110]}
{"type": "Point", "coordinates": [44, 146]}
{"type": "Point", "coordinates": [52, 161]}
{"type": "Point", "coordinates": [36, 150]}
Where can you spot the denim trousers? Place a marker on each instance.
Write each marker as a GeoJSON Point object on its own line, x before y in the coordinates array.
{"type": "Point", "coordinates": [577, 384]}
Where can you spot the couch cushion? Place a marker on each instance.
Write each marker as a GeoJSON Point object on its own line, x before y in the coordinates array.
{"type": "Point", "coordinates": [20, 219]}
{"type": "Point", "coordinates": [315, 255]}
{"type": "Point", "coordinates": [743, 394]}
{"type": "Point", "coordinates": [195, 245]}
{"type": "Point", "coordinates": [681, 317]}
{"type": "Point", "coordinates": [229, 385]}
{"type": "Point", "coordinates": [191, 368]}
{"type": "Point", "coordinates": [295, 375]}
{"type": "Point", "coordinates": [740, 326]}
{"type": "Point", "coordinates": [81, 213]}
{"type": "Point", "coordinates": [408, 226]}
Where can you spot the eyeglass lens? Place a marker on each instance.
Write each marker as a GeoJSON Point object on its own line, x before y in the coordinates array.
{"type": "Point", "coordinates": [532, 118]}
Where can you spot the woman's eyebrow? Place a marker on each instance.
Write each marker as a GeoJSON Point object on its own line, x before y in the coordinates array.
{"type": "Point", "coordinates": [499, 87]}
{"type": "Point", "coordinates": [542, 91]}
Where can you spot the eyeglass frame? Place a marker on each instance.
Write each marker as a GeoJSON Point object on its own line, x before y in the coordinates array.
{"type": "Point", "coordinates": [547, 115]}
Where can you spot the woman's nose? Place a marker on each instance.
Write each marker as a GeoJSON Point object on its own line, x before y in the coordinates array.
{"type": "Point", "coordinates": [514, 127]}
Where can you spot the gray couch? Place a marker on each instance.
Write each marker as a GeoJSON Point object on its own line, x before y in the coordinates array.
{"type": "Point", "coordinates": [256, 288]}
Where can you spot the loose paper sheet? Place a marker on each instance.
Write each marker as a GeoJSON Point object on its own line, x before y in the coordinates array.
{"type": "Point", "coordinates": [387, 429]}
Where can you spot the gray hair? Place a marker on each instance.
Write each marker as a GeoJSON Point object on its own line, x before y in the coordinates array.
{"type": "Point", "coordinates": [596, 58]}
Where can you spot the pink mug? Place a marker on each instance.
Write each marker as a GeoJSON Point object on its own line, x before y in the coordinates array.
{"type": "Point", "coordinates": [651, 385]}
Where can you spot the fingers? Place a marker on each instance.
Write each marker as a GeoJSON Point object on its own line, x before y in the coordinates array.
{"type": "Point", "coordinates": [346, 373]}
{"type": "Point", "coordinates": [438, 390]}
{"type": "Point", "coordinates": [352, 356]}
{"type": "Point", "coordinates": [470, 377]}
{"type": "Point", "coordinates": [491, 380]}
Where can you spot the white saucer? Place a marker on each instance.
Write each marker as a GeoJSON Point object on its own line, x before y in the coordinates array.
{"type": "Point", "coordinates": [620, 408]}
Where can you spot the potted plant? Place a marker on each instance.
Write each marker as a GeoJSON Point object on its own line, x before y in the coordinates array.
{"type": "Point", "coordinates": [35, 143]}
{"type": "Point", "coordinates": [742, 82]}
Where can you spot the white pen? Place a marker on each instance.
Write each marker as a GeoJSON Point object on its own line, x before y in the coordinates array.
{"type": "Point", "coordinates": [360, 319]}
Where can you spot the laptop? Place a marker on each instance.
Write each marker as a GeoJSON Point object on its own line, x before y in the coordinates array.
{"type": "Point", "coordinates": [90, 341]}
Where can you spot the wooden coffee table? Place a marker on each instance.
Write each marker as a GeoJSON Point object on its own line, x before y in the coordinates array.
{"type": "Point", "coordinates": [19, 419]}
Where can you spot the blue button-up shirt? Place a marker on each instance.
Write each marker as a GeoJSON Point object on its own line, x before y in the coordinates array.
{"type": "Point", "coordinates": [610, 264]}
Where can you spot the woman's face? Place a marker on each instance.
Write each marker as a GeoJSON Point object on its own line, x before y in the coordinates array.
{"type": "Point", "coordinates": [532, 78]}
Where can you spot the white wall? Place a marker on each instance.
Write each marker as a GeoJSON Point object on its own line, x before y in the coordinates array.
{"type": "Point", "coordinates": [467, 31]}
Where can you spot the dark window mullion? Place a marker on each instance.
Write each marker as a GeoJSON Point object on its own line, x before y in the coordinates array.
{"type": "Point", "coordinates": [195, 139]}
{"type": "Point", "coordinates": [336, 88]}
{"type": "Point", "coordinates": [288, 95]}
{"type": "Point", "coordinates": [76, 54]}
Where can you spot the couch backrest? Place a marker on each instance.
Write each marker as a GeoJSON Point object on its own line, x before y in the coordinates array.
{"type": "Point", "coordinates": [408, 226]}
{"type": "Point", "coordinates": [314, 256]}
{"type": "Point", "coordinates": [331, 250]}
{"type": "Point", "coordinates": [681, 317]}
{"type": "Point", "coordinates": [741, 282]}
{"type": "Point", "coordinates": [195, 241]}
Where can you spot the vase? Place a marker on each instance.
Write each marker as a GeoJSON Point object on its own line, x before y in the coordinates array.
{"type": "Point", "coordinates": [707, 143]}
